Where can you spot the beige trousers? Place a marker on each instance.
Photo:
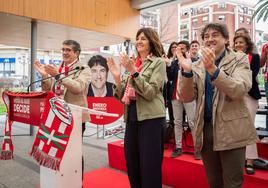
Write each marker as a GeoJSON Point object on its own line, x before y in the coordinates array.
{"type": "Point", "coordinates": [252, 104]}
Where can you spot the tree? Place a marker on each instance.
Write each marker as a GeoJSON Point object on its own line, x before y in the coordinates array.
{"type": "Point", "coordinates": [262, 10]}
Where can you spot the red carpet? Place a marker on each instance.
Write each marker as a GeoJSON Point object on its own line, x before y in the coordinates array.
{"type": "Point", "coordinates": [183, 171]}
{"type": "Point", "coordinates": [105, 178]}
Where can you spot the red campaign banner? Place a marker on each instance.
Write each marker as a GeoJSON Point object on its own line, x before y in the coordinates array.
{"type": "Point", "coordinates": [105, 104]}
{"type": "Point", "coordinates": [26, 107]}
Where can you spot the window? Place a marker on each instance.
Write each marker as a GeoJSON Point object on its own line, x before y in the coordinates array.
{"type": "Point", "coordinates": [221, 5]}
{"type": "Point", "coordinates": [245, 10]}
{"type": "Point", "coordinates": [148, 20]}
{"type": "Point", "coordinates": [250, 12]}
{"type": "Point", "coordinates": [195, 20]}
{"type": "Point", "coordinates": [241, 19]}
{"type": "Point", "coordinates": [240, 9]}
{"type": "Point", "coordinates": [205, 19]}
{"type": "Point", "coordinates": [248, 20]}
{"type": "Point", "coordinates": [205, 9]}
{"type": "Point", "coordinates": [184, 36]}
{"type": "Point", "coordinates": [195, 34]}
{"type": "Point", "coordinates": [12, 66]}
{"type": "Point", "coordinates": [194, 11]}
{"type": "Point", "coordinates": [221, 17]}
{"type": "Point", "coordinates": [184, 26]}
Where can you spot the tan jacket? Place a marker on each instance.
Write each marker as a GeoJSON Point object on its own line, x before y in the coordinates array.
{"type": "Point", "coordinates": [232, 124]}
{"type": "Point", "coordinates": [76, 87]}
{"type": "Point", "coordinates": [149, 90]}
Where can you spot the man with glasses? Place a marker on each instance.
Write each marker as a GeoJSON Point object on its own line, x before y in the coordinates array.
{"type": "Point", "coordinates": [223, 128]}
{"type": "Point", "coordinates": [71, 86]}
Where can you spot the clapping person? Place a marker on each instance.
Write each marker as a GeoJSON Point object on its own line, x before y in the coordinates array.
{"type": "Point", "coordinates": [141, 90]}
{"type": "Point", "coordinates": [72, 88]}
{"type": "Point", "coordinates": [168, 59]}
{"type": "Point", "coordinates": [173, 71]}
{"type": "Point", "coordinates": [194, 50]}
{"type": "Point", "coordinates": [243, 44]}
{"type": "Point", "coordinates": [219, 83]}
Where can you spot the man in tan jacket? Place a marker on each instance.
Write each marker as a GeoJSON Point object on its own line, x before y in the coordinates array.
{"type": "Point", "coordinates": [72, 85]}
{"type": "Point", "coordinates": [223, 125]}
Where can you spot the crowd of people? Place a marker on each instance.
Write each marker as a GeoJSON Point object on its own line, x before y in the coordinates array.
{"type": "Point", "coordinates": [215, 84]}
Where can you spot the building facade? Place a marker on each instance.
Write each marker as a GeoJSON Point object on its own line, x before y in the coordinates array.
{"type": "Point", "coordinates": [235, 14]}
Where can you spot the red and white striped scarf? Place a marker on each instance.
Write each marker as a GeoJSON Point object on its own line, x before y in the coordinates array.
{"type": "Point", "coordinates": [129, 90]}
{"type": "Point", "coordinates": [59, 88]}
{"type": "Point", "coordinates": [53, 134]}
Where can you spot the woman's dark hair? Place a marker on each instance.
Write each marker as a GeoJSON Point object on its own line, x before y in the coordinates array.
{"type": "Point", "coordinates": [75, 45]}
{"type": "Point", "coordinates": [248, 41]}
{"type": "Point", "coordinates": [170, 55]}
{"type": "Point", "coordinates": [98, 60]}
{"type": "Point", "coordinates": [156, 47]}
{"type": "Point", "coordinates": [218, 27]}
{"type": "Point", "coordinates": [242, 29]}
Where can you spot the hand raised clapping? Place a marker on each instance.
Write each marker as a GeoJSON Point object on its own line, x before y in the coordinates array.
{"type": "Point", "coordinates": [208, 60]}
{"type": "Point", "coordinates": [127, 63]}
{"type": "Point", "coordinates": [185, 61]}
{"type": "Point", "coordinates": [114, 69]}
{"type": "Point", "coordinates": [40, 68]}
{"type": "Point", "coordinates": [45, 70]}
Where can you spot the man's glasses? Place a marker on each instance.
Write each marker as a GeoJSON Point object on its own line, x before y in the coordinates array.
{"type": "Point", "coordinates": [66, 50]}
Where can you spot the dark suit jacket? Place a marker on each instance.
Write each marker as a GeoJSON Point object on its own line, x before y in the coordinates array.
{"type": "Point", "coordinates": [109, 87]}
{"type": "Point", "coordinates": [172, 74]}
{"type": "Point", "coordinates": [255, 67]}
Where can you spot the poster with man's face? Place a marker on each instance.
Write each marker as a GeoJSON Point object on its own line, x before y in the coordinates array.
{"type": "Point", "coordinates": [100, 92]}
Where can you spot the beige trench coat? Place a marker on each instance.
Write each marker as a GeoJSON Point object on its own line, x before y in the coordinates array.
{"type": "Point", "coordinates": [232, 124]}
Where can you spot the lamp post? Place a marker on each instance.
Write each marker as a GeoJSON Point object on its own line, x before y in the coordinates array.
{"type": "Point", "coordinates": [23, 59]}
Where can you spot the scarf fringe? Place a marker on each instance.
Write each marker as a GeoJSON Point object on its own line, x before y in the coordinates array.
{"type": "Point", "coordinates": [44, 159]}
{"type": "Point", "coordinates": [6, 155]}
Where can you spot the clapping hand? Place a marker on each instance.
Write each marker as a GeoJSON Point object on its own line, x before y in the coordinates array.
{"type": "Point", "coordinates": [51, 69]}
{"type": "Point", "coordinates": [185, 61]}
{"type": "Point", "coordinates": [40, 68]}
{"type": "Point", "coordinates": [166, 59]}
{"type": "Point", "coordinates": [208, 59]}
{"type": "Point", "coordinates": [127, 63]}
{"type": "Point", "coordinates": [114, 69]}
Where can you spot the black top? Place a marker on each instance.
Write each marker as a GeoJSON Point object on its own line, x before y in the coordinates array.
{"type": "Point", "coordinates": [255, 67]}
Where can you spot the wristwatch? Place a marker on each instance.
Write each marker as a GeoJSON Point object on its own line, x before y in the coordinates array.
{"type": "Point", "coordinates": [135, 75]}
